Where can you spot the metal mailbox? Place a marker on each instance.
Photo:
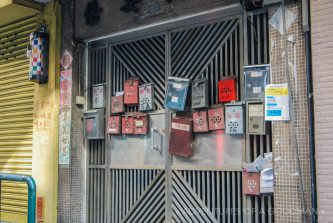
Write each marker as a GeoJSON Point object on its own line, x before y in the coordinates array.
{"type": "Point", "coordinates": [146, 97]}
{"type": "Point", "coordinates": [114, 125]}
{"type": "Point", "coordinates": [227, 88]}
{"type": "Point", "coordinates": [181, 137]}
{"type": "Point", "coordinates": [256, 78]}
{"type": "Point", "coordinates": [117, 104]}
{"type": "Point", "coordinates": [216, 118]}
{"type": "Point", "coordinates": [177, 90]}
{"type": "Point", "coordinates": [251, 183]}
{"type": "Point", "coordinates": [98, 96]}
{"type": "Point", "coordinates": [141, 124]}
{"type": "Point", "coordinates": [127, 125]}
{"type": "Point", "coordinates": [200, 93]}
{"type": "Point", "coordinates": [234, 118]}
{"type": "Point", "coordinates": [200, 121]}
{"type": "Point", "coordinates": [94, 124]}
{"type": "Point", "coordinates": [131, 91]}
{"type": "Point", "coordinates": [256, 124]}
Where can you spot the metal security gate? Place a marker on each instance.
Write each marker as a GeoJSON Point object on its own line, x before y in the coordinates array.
{"type": "Point", "coordinates": [16, 116]}
{"type": "Point", "coordinates": [128, 181]}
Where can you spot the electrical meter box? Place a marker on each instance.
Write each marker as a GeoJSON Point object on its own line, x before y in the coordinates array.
{"type": "Point", "coordinates": [256, 78]}
{"type": "Point", "coordinates": [256, 124]}
{"type": "Point", "coordinates": [200, 93]}
{"type": "Point", "coordinates": [146, 97]}
{"type": "Point", "coordinates": [177, 90]}
{"type": "Point", "coordinates": [234, 118]}
{"type": "Point", "coordinates": [98, 96]}
{"type": "Point", "coordinates": [94, 126]}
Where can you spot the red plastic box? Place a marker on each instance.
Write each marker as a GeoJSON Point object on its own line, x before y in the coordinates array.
{"type": "Point", "coordinates": [200, 121]}
{"type": "Point", "coordinates": [114, 125]}
{"type": "Point", "coordinates": [227, 89]}
{"type": "Point", "coordinates": [131, 91]}
{"type": "Point", "coordinates": [216, 118]}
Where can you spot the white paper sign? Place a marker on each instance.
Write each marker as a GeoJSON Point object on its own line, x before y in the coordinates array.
{"type": "Point", "coordinates": [277, 102]}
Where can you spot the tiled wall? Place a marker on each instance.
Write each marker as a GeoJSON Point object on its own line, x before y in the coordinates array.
{"type": "Point", "coordinates": [322, 57]}
{"type": "Point", "coordinates": [287, 191]}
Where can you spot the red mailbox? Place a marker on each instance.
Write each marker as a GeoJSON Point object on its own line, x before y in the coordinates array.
{"type": "Point", "coordinates": [227, 90]}
{"type": "Point", "coordinates": [216, 118]}
{"type": "Point", "coordinates": [140, 124]}
{"type": "Point", "coordinates": [181, 137]}
{"type": "Point", "coordinates": [200, 121]}
{"type": "Point", "coordinates": [251, 183]}
{"type": "Point", "coordinates": [131, 91]}
{"type": "Point", "coordinates": [127, 125]}
{"type": "Point", "coordinates": [114, 125]}
{"type": "Point", "coordinates": [117, 104]}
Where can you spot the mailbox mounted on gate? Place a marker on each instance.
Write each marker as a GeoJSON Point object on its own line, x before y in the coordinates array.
{"type": "Point", "coordinates": [200, 93]}
{"type": "Point", "coordinates": [117, 104]}
{"type": "Point", "coordinates": [228, 89]}
{"type": "Point", "coordinates": [114, 125]}
{"type": "Point", "coordinates": [216, 118]}
{"type": "Point", "coordinates": [200, 121]}
{"type": "Point", "coordinates": [234, 118]}
{"type": "Point", "coordinates": [177, 91]}
{"type": "Point", "coordinates": [256, 124]}
{"type": "Point", "coordinates": [94, 124]}
{"type": "Point", "coordinates": [146, 97]}
{"type": "Point", "coordinates": [98, 94]}
{"type": "Point", "coordinates": [131, 91]}
{"type": "Point", "coordinates": [256, 78]}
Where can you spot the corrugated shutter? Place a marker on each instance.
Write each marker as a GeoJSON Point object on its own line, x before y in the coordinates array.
{"type": "Point", "coordinates": [16, 116]}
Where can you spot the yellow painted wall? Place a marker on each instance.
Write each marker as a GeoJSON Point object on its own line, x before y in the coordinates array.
{"type": "Point", "coordinates": [46, 113]}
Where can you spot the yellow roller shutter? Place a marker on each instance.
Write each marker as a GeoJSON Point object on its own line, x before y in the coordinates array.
{"type": "Point", "coordinates": [16, 116]}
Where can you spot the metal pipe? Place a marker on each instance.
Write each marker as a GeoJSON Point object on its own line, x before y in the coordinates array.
{"type": "Point", "coordinates": [309, 81]}
{"type": "Point", "coordinates": [31, 192]}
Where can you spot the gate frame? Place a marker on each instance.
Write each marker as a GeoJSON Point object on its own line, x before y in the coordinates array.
{"type": "Point", "coordinates": [166, 27]}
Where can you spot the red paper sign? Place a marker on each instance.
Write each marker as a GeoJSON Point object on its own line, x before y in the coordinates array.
{"type": "Point", "coordinates": [40, 207]}
{"type": "Point", "coordinates": [227, 90]}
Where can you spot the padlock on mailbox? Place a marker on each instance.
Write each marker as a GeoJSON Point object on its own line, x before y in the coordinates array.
{"type": "Point", "coordinates": [114, 125]}
{"type": "Point", "coordinates": [140, 124]}
{"type": "Point", "coordinates": [146, 97]}
{"type": "Point", "coordinates": [200, 93]}
{"type": "Point", "coordinates": [127, 125]}
{"type": "Point", "coordinates": [117, 104]}
{"type": "Point", "coordinates": [200, 123]}
{"type": "Point", "coordinates": [181, 137]}
{"type": "Point", "coordinates": [216, 118]}
{"type": "Point", "coordinates": [131, 91]}
{"type": "Point", "coordinates": [227, 89]}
